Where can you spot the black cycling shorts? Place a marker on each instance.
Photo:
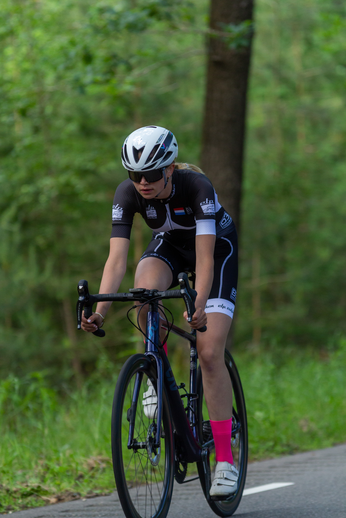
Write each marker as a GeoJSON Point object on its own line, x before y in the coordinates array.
{"type": "Point", "coordinates": [224, 289]}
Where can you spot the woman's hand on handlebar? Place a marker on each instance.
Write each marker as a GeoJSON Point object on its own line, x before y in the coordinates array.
{"type": "Point", "coordinates": [92, 323]}
{"type": "Point", "coordinates": [199, 318]}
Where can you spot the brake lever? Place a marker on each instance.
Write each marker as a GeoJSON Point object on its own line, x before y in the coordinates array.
{"type": "Point", "coordinates": [189, 296]}
{"type": "Point", "coordinates": [83, 293]}
{"type": "Point", "coordinates": [86, 301]}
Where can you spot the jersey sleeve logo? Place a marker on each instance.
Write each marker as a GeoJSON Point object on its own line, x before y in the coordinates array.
{"type": "Point", "coordinates": [117, 212]}
{"type": "Point", "coordinates": [151, 212]}
{"type": "Point", "coordinates": [208, 207]}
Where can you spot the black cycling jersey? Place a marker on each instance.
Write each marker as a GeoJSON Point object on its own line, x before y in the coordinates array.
{"type": "Point", "coordinates": [192, 208]}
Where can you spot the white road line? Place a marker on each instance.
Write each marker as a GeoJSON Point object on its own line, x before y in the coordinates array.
{"type": "Point", "coordinates": [267, 487]}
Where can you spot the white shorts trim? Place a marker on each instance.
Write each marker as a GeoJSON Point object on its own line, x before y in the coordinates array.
{"type": "Point", "coordinates": [220, 306]}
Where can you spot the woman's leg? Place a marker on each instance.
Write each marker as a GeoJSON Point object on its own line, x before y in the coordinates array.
{"type": "Point", "coordinates": [217, 388]}
{"type": "Point", "coordinates": [217, 385]}
{"type": "Point", "coordinates": [152, 273]}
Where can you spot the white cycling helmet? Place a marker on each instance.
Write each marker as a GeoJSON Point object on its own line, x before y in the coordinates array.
{"type": "Point", "coordinates": [151, 147]}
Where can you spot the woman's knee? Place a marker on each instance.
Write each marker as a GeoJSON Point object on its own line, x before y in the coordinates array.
{"type": "Point", "coordinates": [210, 358]}
{"type": "Point", "coordinates": [211, 349]}
{"type": "Point", "coordinates": [152, 273]}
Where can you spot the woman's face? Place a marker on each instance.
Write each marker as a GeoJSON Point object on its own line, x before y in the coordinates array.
{"type": "Point", "coordinates": [155, 189]}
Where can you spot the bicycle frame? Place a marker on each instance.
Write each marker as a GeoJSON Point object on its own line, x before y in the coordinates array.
{"type": "Point", "coordinates": [185, 426]}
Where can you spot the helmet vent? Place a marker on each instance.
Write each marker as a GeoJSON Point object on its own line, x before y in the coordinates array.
{"type": "Point", "coordinates": [124, 154]}
{"type": "Point", "coordinates": [137, 153]}
{"type": "Point", "coordinates": [152, 153]}
{"type": "Point", "coordinates": [168, 154]}
{"type": "Point", "coordinates": [167, 142]}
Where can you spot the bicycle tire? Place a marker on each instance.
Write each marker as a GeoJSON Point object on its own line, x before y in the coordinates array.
{"type": "Point", "coordinates": [239, 440]}
{"type": "Point", "coordinates": [145, 490]}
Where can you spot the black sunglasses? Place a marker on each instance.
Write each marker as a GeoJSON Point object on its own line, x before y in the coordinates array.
{"type": "Point", "coordinates": [151, 176]}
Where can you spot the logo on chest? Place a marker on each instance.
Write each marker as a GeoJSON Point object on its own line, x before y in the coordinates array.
{"type": "Point", "coordinates": [180, 211]}
{"type": "Point", "coordinates": [151, 212]}
{"type": "Point", "coordinates": [183, 211]}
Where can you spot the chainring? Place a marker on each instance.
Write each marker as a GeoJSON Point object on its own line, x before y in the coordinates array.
{"type": "Point", "coordinates": [180, 471]}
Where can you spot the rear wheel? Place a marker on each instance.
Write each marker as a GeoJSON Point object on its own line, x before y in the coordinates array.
{"type": "Point", "coordinates": [143, 472]}
{"type": "Point", "coordinates": [239, 440]}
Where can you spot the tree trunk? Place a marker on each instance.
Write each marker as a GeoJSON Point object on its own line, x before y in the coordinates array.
{"type": "Point", "coordinates": [225, 104]}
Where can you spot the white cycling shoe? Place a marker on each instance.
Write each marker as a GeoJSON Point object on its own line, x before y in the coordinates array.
{"type": "Point", "coordinates": [225, 482]}
{"type": "Point", "coordinates": [149, 401]}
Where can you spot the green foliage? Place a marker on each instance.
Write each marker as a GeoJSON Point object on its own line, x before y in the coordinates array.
{"type": "Point", "coordinates": [295, 400]}
{"type": "Point", "coordinates": [30, 398]}
{"type": "Point", "coordinates": [76, 77]}
{"type": "Point", "coordinates": [293, 246]}
{"type": "Point", "coordinates": [236, 36]}
{"type": "Point", "coordinates": [51, 451]}
{"type": "Point", "coordinates": [142, 16]}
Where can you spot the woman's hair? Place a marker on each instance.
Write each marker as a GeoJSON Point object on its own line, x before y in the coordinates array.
{"type": "Point", "coordinates": [192, 167]}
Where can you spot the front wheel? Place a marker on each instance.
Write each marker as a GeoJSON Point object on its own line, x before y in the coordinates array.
{"type": "Point", "coordinates": [143, 472]}
{"type": "Point", "coordinates": [239, 441]}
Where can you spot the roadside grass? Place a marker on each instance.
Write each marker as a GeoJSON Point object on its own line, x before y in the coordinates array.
{"type": "Point", "coordinates": [56, 447]}
{"type": "Point", "coordinates": [296, 400]}
{"type": "Point", "coordinates": [52, 448]}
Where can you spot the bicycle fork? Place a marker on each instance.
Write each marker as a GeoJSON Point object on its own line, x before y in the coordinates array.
{"type": "Point", "coordinates": [151, 350]}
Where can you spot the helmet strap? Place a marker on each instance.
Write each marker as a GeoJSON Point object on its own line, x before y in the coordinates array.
{"type": "Point", "coordinates": [165, 178]}
{"type": "Point", "coordinates": [166, 182]}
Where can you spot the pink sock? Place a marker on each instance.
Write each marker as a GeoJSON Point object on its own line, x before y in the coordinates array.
{"type": "Point", "coordinates": [222, 433]}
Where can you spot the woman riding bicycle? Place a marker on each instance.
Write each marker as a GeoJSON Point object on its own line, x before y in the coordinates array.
{"type": "Point", "coordinates": [191, 231]}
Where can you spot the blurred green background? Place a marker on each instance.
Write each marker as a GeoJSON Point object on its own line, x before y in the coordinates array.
{"type": "Point", "coordinates": [76, 77]}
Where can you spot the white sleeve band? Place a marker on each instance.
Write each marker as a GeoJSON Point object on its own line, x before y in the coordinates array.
{"type": "Point", "coordinates": [205, 226]}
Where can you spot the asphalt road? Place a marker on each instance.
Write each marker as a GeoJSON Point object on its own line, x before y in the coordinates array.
{"type": "Point", "coordinates": [317, 489]}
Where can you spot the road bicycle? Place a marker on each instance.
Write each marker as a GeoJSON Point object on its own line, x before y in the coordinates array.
{"type": "Point", "coordinates": [150, 449]}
